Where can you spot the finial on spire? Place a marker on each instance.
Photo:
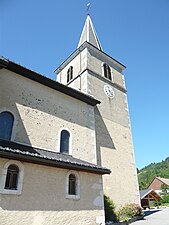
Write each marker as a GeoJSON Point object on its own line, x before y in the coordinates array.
{"type": "Point", "coordinates": [88, 7]}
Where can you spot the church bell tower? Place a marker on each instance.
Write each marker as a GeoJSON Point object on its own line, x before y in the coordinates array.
{"type": "Point", "coordinates": [90, 70]}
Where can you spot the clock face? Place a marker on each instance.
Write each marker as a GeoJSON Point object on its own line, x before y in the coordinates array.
{"type": "Point", "coordinates": [108, 90]}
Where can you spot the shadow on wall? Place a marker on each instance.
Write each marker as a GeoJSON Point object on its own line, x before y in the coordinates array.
{"type": "Point", "coordinates": [103, 138]}
{"type": "Point", "coordinates": [19, 132]}
{"type": "Point", "coordinates": [44, 190]}
{"type": "Point", "coordinates": [46, 203]}
{"type": "Point", "coordinates": [29, 99]}
{"type": "Point", "coordinates": [49, 205]}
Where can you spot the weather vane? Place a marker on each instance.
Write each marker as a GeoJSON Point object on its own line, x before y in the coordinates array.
{"type": "Point", "coordinates": [88, 7]}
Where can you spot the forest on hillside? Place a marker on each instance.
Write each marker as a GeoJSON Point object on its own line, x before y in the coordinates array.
{"type": "Point", "coordinates": [148, 173]}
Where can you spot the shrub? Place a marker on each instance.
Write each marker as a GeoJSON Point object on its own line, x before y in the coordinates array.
{"type": "Point", "coordinates": [154, 204]}
{"type": "Point", "coordinates": [129, 211]}
{"type": "Point", "coordinates": [109, 209]}
{"type": "Point", "coordinates": [165, 199]}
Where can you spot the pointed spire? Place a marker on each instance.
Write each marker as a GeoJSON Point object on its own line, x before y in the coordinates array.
{"type": "Point", "coordinates": [89, 34]}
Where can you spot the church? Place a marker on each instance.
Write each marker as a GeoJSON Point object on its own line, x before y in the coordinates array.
{"type": "Point", "coordinates": [65, 143]}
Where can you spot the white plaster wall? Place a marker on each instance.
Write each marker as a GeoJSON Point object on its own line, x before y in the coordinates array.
{"type": "Point", "coordinates": [43, 199]}
{"type": "Point", "coordinates": [40, 112]}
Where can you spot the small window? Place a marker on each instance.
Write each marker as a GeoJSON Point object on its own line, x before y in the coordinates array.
{"type": "Point", "coordinates": [72, 184]}
{"type": "Point", "coordinates": [72, 188]}
{"type": "Point", "coordinates": [6, 125]}
{"type": "Point", "coordinates": [70, 74]}
{"type": "Point", "coordinates": [12, 177]}
{"type": "Point", "coordinates": [107, 71]}
{"type": "Point", "coordinates": [64, 141]}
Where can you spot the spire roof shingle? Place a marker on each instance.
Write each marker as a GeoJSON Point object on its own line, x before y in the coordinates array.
{"type": "Point", "coordinates": [89, 34]}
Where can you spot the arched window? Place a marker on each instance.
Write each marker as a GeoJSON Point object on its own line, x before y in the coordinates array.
{"type": "Point", "coordinates": [107, 71]}
{"type": "Point", "coordinates": [72, 188]}
{"type": "Point", "coordinates": [64, 141]}
{"type": "Point", "coordinates": [6, 125]}
{"type": "Point", "coordinates": [70, 74]}
{"type": "Point", "coordinates": [12, 177]}
{"type": "Point", "coordinates": [72, 184]}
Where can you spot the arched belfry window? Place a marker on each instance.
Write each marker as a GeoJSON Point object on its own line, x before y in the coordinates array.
{"type": "Point", "coordinates": [64, 141]}
{"type": "Point", "coordinates": [72, 185]}
{"type": "Point", "coordinates": [70, 74]}
{"type": "Point", "coordinates": [12, 177]}
{"type": "Point", "coordinates": [107, 71]}
{"type": "Point", "coordinates": [6, 125]}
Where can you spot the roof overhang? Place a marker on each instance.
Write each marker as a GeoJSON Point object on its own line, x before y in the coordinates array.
{"type": "Point", "coordinates": [12, 150]}
{"type": "Point", "coordinates": [150, 194]}
{"type": "Point", "coordinates": [163, 180]}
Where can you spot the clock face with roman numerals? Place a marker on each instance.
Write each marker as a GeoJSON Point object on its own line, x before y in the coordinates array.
{"type": "Point", "coordinates": [108, 90]}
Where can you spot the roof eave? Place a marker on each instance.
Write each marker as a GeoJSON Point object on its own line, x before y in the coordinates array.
{"type": "Point", "coordinates": [70, 58]}
{"type": "Point", "coordinates": [53, 163]}
{"type": "Point", "coordinates": [23, 71]}
{"type": "Point", "coordinates": [163, 180]}
{"type": "Point", "coordinates": [151, 191]}
{"type": "Point", "coordinates": [102, 52]}
{"type": "Point", "coordinates": [82, 47]}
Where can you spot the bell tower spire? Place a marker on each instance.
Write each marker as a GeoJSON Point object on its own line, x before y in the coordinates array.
{"type": "Point", "coordinates": [89, 34]}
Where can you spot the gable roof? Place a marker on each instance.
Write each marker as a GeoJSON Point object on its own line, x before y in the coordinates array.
{"type": "Point", "coordinates": [12, 150]}
{"type": "Point", "coordinates": [89, 34]}
{"type": "Point", "coordinates": [145, 192]}
{"type": "Point", "coordinates": [25, 72]}
{"type": "Point", "coordinates": [163, 180]}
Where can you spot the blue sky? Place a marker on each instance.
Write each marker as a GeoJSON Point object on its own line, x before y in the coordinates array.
{"type": "Point", "coordinates": [42, 34]}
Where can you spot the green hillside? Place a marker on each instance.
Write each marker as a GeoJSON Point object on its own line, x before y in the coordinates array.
{"type": "Point", "coordinates": [148, 173]}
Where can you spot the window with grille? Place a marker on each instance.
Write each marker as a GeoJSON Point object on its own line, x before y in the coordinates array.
{"type": "Point", "coordinates": [72, 184]}
{"type": "Point", "coordinates": [12, 177]}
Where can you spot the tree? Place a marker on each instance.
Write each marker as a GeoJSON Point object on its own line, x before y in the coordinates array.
{"type": "Point", "coordinates": [109, 208]}
{"type": "Point", "coordinates": [164, 189]}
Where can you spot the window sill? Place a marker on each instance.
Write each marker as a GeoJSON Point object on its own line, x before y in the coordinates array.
{"type": "Point", "coordinates": [10, 192]}
{"type": "Point", "coordinates": [75, 197]}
